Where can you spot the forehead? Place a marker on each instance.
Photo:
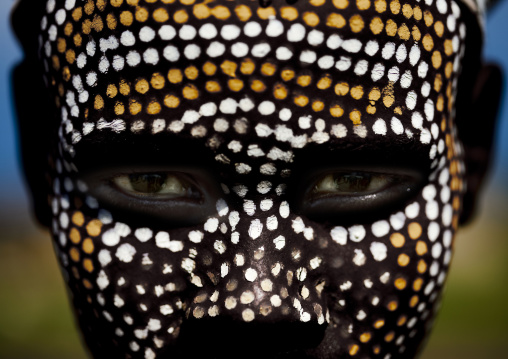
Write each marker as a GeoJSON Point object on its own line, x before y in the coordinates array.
{"type": "Point", "coordinates": [228, 72]}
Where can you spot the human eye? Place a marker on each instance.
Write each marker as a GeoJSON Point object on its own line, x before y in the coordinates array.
{"type": "Point", "coordinates": [354, 195]}
{"type": "Point", "coordinates": [175, 197]}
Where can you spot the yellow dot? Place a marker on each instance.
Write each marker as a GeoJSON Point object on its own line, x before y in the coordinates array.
{"type": "Point", "coordinates": [124, 88]}
{"type": "Point", "coordinates": [403, 260]}
{"type": "Point", "coordinates": [98, 102]}
{"type": "Point", "coordinates": [171, 101]}
{"type": "Point", "coordinates": [340, 4]}
{"type": "Point", "coordinates": [417, 284]}
{"type": "Point", "coordinates": [403, 32]}
{"type": "Point", "coordinates": [187, 2]}
{"type": "Point", "coordinates": [392, 305]}
{"type": "Point", "coordinates": [397, 240]}
{"type": "Point", "coordinates": [268, 69]}
{"type": "Point", "coordinates": [229, 68]}
{"type": "Point", "coordinates": [356, 23]}
{"type": "Point", "coordinates": [318, 106]}
{"type": "Point", "coordinates": [422, 266]}
{"type": "Point", "coordinates": [311, 18]}
{"type": "Point", "coordinates": [438, 82]}
{"type": "Point", "coordinates": [88, 265]}
{"type": "Point", "coordinates": [357, 92]}
{"type": "Point", "coordinates": [201, 11]}
{"type": "Point", "coordinates": [336, 111]}
{"type": "Point", "coordinates": [371, 110]}
{"type": "Point", "coordinates": [74, 254]}
{"type": "Point", "coordinates": [266, 13]}
{"type": "Point", "coordinates": [287, 75]}
{"type": "Point", "coordinates": [288, 13]}
{"type": "Point", "coordinates": [141, 14]}
{"type": "Point", "coordinates": [111, 21]}
{"type": "Point", "coordinates": [243, 12]}
{"type": "Point", "coordinates": [353, 349]}
{"type": "Point", "coordinates": [400, 283]}
{"type": "Point", "coordinates": [116, 3]}
{"type": "Point", "coordinates": [78, 219]}
{"type": "Point", "coordinates": [380, 6]}
{"type": "Point", "coordinates": [363, 4]}
{"type": "Point", "coordinates": [376, 25]}
{"type": "Point", "coordinates": [157, 81]}
{"type": "Point", "coordinates": [111, 91]}
{"type": "Point", "coordinates": [436, 59]}
{"type": "Point", "coordinates": [142, 86]}
{"type": "Point", "coordinates": [77, 13]}
{"type": "Point", "coordinates": [181, 16]}
{"type": "Point", "coordinates": [417, 35]}
{"type": "Point", "coordinates": [221, 12]}
{"type": "Point", "coordinates": [391, 27]}
{"type": "Point", "coordinates": [413, 301]}
{"type": "Point", "coordinates": [175, 76]}
{"type": "Point", "coordinates": [407, 11]}
{"type": "Point", "coordinates": [317, 2]}
{"type": "Point", "coordinates": [190, 92]}
{"type": "Point", "coordinates": [153, 108]}
{"type": "Point", "coordinates": [417, 13]}
{"type": "Point", "coordinates": [335, 20]}
{"type": "Point", "coordinates": [342, 88]}
{"type": "Point", "coordinates": [212, 86]}
{"type": "Point", "coordinates": [61, 45]}
{"type": "Point", "coordinates": [126, 18]}
{"type": "Point", "coordinates": [324, 83]}
{"type": "Point", "coordinates": [304, 80]}
{"type": "Point", "coordinates": [87, 284]}
{"type": "Point", "coordinates": [376, 349]}
{"type": "Point", "coordinates": [247, 67]}
{"type": "Point", "coordinates": [379, 323]}
{"type": "Point", "coordinates": [402, 320]}
{"type": "Point", "coordinates": [421, 248]}
{"type": "Point", "coordinates": [88, 246]}
{"type": "Point", "coordinates": [301, 100]}
{"type": "Point", "coordinates": [395, 7]}
{"type": "Point", "coordinates": [160, 15]}
{"type": "Point", "coordinates": [374, 94]}
{"type": "Point", "coordinates": [209, 68]}
{"type": "Point", "coordinates": [74, 236]}
{"type": "Point", "coordinates": [89, 7]}
{"type": "Point", "coordinates": [439, 28]}
{"type": "Point", "coordinates": [365, 337]}
{"type": "Point", "coordinates": [414, 230]}
{"type": "Point", "coordinates": [280, 91]}
{"type": "Point", "coordinates": [235, 85]}
{"type": "Point", "coordinates": [134, 107]}
{"type": "Point", "coordinates": [389, 337]}
{"type": "Point", "coordinates": [356, 117]}
{"type": "Point", "coordinates": [258, 86]}
{"type": "Point", "coordinates": [448, 47]}
{"type": "Point", "coordinates": [428, 18]}
{"type": "Point", "coordinates": [191, 72]}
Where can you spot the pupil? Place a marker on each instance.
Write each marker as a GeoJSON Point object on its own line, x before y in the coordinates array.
{"type": "Point", "coordinates": [354, 182]}
{"type": "Point", "coordinates": [147, 183]}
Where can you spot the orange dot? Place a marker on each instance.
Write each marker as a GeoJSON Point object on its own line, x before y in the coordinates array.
{"type": "Point", "coordinates": [392, 305]}
{"type": "Point", "coordinates": [421, 248]}
{"type": "Point", "coordinates": [88, 265]}
{"type": "Point", "coordinates": [94, 227]}
{"type": "Point", "coordinates": [74, 236]}
{"type": "Point", "coordinates": [389, 337]}
{"type": "Point", "coordinates": [400, 283]}
{"type": "Point", "coordinates": [78, 219]}
{"type": "Point", "coordinates": [402, 320]}
{"type": "Point", "coordinates": [365, 337]}
{"type": "Point", "coordinates": [74, 253]}
{"type": "Point", "coordinates": [403, 260]}
{"type": "Point", "coordinates": [353, 349]}
{"type": "Point", "coordinates": [88, 246]}
{"type": "Point", "coordinates": [413, 301]}
{"type": "Point", "coordinates": [422, 266]}
{"type": "Point", "coordinates": [415, 230]}
{"type": "Point", "coordinates": [379, 323]}
{"type": "Point", "coordinates": [336, 111]}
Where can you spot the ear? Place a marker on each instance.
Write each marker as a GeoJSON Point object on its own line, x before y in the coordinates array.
{"type": "Point", "coordinates": [477, 124]}
{"type": "Point", "coordinates": [35, 113]}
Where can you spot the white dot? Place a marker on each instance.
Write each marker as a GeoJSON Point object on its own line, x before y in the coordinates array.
{"type": "Point", "coordinates": [296, 33]}
{"type": "Point", "coordinates": [334, 41]}
{"type": "Point", "coordinates": [215, 49]}
{"type": "Point", "coordinates": [371, 48]}
{"type": "Point", "coordinates": [192, 51]}
{"type": "Point", "coordinates": [379, 127]}
{"type": "Point", "coordinates": [251, 274]}
{"type": "Point", "coordinates": [401, 53]}
{"type": "Point", "coordinates": [378, 251]}
{"type": "Point", "coordinates": [230, 32]}
{"type": "Point", "coordinates": [208, 31]}
{"type": "Point", "coordinates": [326, 62]}
{"type": "Point", "coordinates": [111, 237]}
{"type": "Point", "coordinates": [260, 50]}
{"type": "Point", "coordinates": [380, 228]}
{"type": "Point", "coordinates": [211, 225]}
{"type": "Point", "coordinates": [356, 233]}
{"type": "Point", "coordinates": [60, 16]}
{"type": "Point", "coordinates": [339, 235]}
{"type": "Point", "coordinates": [442, 6]}
{"type": "Point", "coordinates": [343, 64]}
{"type": "Point", "coordinates": [396, 126]}
{"type": "Point", "coordinates": [352, 45]}
{"type": "Point", "coordinates": [422, 69]}
{"type": "Point", "coordinates": [239, 49]}
{"type": "Point", "coordinates": [133, 58]}
{"type": "Point", "coordinates": [437, 249]}
{"type": "Point", "coordinates": [432, 210]}
{"type": "Point", "coordinates": [283, 53]}
{"type": "Point", "coordinates": [104, 257]}
{"type": "Point", "coordinates": [388, 50]}
{"type": "Point", "coordinates": [146, 34]}
{"type": "Point", "coordinates": [393, 74]}
{"type": "Point", "coordinates": [125, 252]}
{"type": "Point", "coordinates": [252, 29]}
{"type": "Point", "coordinates": [274, 28]}
{"type": "Point", "coordinates": [151, 56]}
{"type": "Point", "coordinates": [167, 32]}
{"type": "Point", "coordinates": [378, 72]}
{"type": "Point", "coordinates": [412, 210]}
{"type": "Point", "coordinates": [397, 220]}
{"type": "Point", "coordinates": [255, 229]}
{"type": "Point", "coordinates": [171, 53]}
{"type": "Point", "coordinates": [285, 114]}
{"type": "Point", "coordinates": [187, 32]}
{"type": "Point", "coordinates": [315, 37]}
{"type": "Point", "coordinates": [266, 108]}
{"type": "Point", "coordinates": [411, 100]}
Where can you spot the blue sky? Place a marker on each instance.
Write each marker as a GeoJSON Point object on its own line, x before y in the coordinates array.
{"type": "Point", "coordinates": [11, 184]}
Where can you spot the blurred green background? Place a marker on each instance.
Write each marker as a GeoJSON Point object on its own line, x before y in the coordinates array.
{"type": "Point", "coordinates": [35, 318]}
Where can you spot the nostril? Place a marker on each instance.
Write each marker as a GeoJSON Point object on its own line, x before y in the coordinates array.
{"type": "Point", "coordinates": [225, 337]}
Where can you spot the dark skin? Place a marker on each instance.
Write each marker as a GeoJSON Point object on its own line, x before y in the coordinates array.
{"type": "Point", "coordinates": [479, 90]}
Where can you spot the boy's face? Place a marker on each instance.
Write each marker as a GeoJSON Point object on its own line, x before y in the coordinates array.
{"type": "Point", "coordinates": [237, 180]}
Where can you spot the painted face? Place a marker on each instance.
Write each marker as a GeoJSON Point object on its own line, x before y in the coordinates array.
{"type": "Point", "coordinates": [236, 180]}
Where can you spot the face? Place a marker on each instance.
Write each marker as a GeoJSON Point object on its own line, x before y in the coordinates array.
{"type": "Point", "coordinates": [229, 179]}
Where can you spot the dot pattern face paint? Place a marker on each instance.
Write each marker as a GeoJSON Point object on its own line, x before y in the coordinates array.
{"type": "Point", "coordinates": [254, 88]}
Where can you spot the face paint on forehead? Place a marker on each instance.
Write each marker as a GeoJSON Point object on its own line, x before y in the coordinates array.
{"type": "Point", "coordinates": [265, 131]}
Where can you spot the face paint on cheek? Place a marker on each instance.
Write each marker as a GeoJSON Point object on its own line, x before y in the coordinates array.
{"type": "Point", "coordinates": [269, 94]}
